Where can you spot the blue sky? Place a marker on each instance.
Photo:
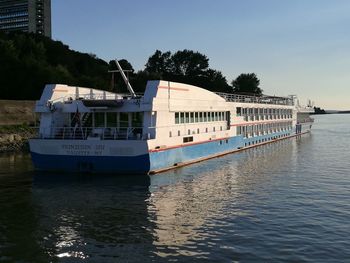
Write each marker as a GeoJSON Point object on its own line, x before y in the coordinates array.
{"type": "Point", "coordinates": [295, 47]}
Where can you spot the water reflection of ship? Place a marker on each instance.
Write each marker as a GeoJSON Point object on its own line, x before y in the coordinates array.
{"type": "Point", "coordinates": [175, 215]}
{"type": "Point", "coordinates": [99, 217]}
{"type": "Point", "coordinates": [193, 204]}
{"type": "Point", "coordinates": [18, 221]}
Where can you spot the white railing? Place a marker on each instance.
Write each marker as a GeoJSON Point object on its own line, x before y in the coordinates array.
{"type": "Point", "coordinates": [99, 133]}
{"type": "Point", "coordinates": [103, 96]}
{"type": "Point", "coordinates": [256, 99]}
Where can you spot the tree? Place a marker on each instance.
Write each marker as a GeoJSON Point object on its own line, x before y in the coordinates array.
{"type": "Point", "coordinates": [159, 63]}
{"type": "Point", "coordinates": [247, 83]}
{"type": "Point", "coordinates": [189, 63]}
{"type": "Point", "coordinates": [318, 110]}
{"type": "Point", "coordinates": [216, 81]}
{"type": "Point", "coordinates": [29, 61]}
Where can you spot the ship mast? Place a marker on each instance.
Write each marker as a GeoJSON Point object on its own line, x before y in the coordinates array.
{"type": "Point", "coordinates": [126, 80]}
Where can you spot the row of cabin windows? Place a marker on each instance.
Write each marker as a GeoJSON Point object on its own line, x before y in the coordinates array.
{"type": "Point", "coordinates": [195, 117]}
{"type": "Point", "coordinates": [189, 131]}
{"type": "Point", "coordinates": [261, 129]}
{"type": "Point", "coordinates": [264, 113]}
{"type": "Point", "coordinates": [258, 141]}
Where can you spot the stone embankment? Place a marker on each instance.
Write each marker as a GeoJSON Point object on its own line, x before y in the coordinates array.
{"type": "Point", "coordinates": [15, 138]}
{"type": "Point", "coordinates": [17, 120]}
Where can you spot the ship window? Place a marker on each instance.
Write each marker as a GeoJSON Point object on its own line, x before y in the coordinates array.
{"type": "Point", "coordinates": [188, 131]}
{"type": "Point", "coordinates": [213, 128]}
{"type": "Point", "coordinates": [191, 117]}
{"type": "Point", "coordinates": [239, 111]}
{"type": "Point", "coordinates": [205, 117]}
{"type": "Point", "coordinates": [182, 117]}
{"type": "Point", "coordinates": [196, 117]}
{"type": "Point", "coordinates": [187, 114]}
{"type": "Point", "coordinates": [170, 135]}
{"type": "Point", "coordinates": [188, 139]}
{"type": "Point", "coordinates": [177, 119]}
{"type": "Point", "coordinates": [216, 116]}
{"type": "Point", "coordinates": [200, 117]}
{"type": "Point", "coordinates": [198, 130]}
{"type": "Point", "coordinates": [178, 133]}
{"type": "Point", "coordinates": [111, 119]}
{"type": "Point", "coordinates": [100, 119]}
{"type": "Point", "coordinates": [206, 130]}
{"type": "Point", "coordinates": [137, 119]}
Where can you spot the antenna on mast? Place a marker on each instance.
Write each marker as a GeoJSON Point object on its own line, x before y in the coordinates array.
{"type": "Point", "coordinates": [126, 80]}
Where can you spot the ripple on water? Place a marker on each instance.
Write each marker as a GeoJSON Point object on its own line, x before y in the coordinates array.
{"type": "Point", "coordinates": [283, 202]}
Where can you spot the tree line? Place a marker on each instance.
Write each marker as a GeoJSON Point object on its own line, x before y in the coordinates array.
{"type": "Point", "coordinates": [29, 61]}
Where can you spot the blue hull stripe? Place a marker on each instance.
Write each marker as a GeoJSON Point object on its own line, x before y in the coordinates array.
{"type": "Point", "coordinates": [94, 164]}
{"type": "Point", "coordinates": [153, 161]}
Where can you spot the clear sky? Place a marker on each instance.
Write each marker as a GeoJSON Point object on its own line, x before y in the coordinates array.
{"type": "Point", "coordinates": [295, 47]}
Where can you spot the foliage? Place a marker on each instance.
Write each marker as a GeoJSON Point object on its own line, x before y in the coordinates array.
{"type": "Point", "coordinates": [318, 110]}
{"type": "Point", "coordinates": [186, 66]}
{"type": "Point", "coordinates": [247, 83]}
{"type": "Point", "coordinates": [30, 61]}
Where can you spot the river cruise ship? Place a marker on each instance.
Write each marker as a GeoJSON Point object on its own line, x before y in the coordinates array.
{"type": "Point", "coordinates": [170, 125]}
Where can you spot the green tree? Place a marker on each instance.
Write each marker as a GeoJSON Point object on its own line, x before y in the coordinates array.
{"type": "Point", "coordinates": [29, 61]}
{"type": "Point", "coordinates": [189, 63]}
{"type": "Point", "coordinates": [215, 81]}
{"type": "Point", "coordinates": [247, 83]}
{"type": "Point", "coordinates": [159, 63]}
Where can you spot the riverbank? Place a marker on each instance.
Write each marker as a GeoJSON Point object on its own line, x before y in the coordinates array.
{"type": "Point", "coordinates": [15, 137]}
{"type": "Point", "coordinates": [17, 120]}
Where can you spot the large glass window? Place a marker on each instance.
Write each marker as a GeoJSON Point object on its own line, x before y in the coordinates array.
{"type": "Point", "coordinates": [111, 119]}
{"type": "Point", "coordinates": [182, 117]}
{"type": "Point", "coordinates": [124, 119]}
{"type": "Point", "coordinates": [99, 119]}
{"type": "Point", "coordinates": [187, 115]}
{"type": "Point", "coordinates": [239, 111]}
{"type": "Point", "coordinates": [192, 117]}
{"type": "Point", "coordinates": [137, 119]}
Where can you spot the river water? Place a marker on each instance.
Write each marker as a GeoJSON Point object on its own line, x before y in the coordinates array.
{"type": "Point", "coordinates": [283, 202]}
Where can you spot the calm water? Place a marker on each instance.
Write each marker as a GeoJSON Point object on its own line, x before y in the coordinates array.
{"type": "Point", "coordinates": [283, 202]}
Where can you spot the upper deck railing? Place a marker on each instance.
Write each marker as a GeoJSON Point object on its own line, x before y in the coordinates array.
{"type": "Point", "coordinates": [256, 99]}
{"type": "Point", "coordinates": [102, 133]}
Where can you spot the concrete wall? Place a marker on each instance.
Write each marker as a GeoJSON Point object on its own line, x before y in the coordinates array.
{"type": "Point", "coordinates": [16, 112]}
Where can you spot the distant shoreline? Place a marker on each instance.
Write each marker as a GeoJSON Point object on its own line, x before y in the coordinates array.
{"type": "Point", "coordinates": [333, 112]}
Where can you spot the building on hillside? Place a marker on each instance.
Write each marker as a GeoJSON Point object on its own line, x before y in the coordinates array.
{"type": "Point", "coordinates": [26, 15]}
